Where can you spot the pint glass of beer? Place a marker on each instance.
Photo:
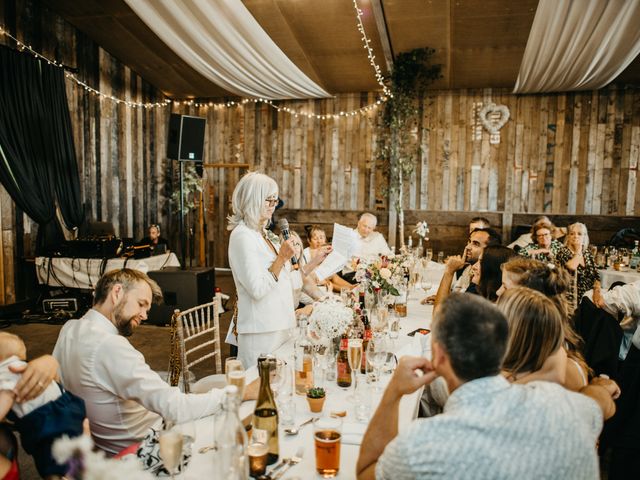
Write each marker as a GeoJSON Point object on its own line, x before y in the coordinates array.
{"type": "Point", "coordinates": [327, 437]}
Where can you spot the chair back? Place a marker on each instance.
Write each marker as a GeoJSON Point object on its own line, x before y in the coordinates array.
{"type": "Point", "coordinates": [195, 339]}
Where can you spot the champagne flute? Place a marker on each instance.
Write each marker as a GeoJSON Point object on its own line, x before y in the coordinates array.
{"type": "Point", "coordinates": [235, 373]}
{"type": "Point", "coordinates": [170, 443]}
{"type": "Point", "coordinates": [355, 360]}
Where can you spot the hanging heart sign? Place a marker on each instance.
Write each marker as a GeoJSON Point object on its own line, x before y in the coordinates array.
{"type": "Point", "coordinates": [493, 117]}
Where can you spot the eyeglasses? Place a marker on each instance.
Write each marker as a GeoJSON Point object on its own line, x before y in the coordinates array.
{"type": "Point", "coordinates": [542, 235]}
{"type": "Point", "coordinates": [272, 202]}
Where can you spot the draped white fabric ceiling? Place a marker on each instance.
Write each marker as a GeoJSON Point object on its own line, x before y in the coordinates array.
{"type": "Point", "coordinates": [579, 45]}
{"type": "Point", "coordinates": [223, 42]}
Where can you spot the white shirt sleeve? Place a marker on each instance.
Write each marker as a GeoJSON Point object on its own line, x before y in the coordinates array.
{"type": "Point", "coordinates": [625, 299]}
{"type": "Point", "coordinates": [250, 268]}
{"type": "Point", "coordinates": [122, 370]}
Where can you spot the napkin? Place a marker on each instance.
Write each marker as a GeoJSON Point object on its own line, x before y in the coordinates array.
{"type": "Point", "coordinates": [353, 432]}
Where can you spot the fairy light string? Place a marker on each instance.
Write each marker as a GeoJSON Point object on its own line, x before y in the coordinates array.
{"type": "Point", "coordinates": [231, 103]}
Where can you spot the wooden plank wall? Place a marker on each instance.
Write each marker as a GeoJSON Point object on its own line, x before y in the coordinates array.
{"type": "Point", "coordinates": [570, 153]}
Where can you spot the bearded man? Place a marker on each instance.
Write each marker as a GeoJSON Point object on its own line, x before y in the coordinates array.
{"type": "Point", "coordinates": [123, 396]}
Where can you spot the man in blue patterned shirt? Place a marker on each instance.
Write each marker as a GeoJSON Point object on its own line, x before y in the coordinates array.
{"type": "Point", "coordinates": [489, 428]}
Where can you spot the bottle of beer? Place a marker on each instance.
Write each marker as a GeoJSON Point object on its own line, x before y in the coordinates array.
{"type": "Point", "coordinates": [634, 261]}
{"type": "Point", "coordinates": [344, 371]}
{"type": "Point", "coordinates": [265, 416]}
{"type": "Point", "coordinates": [303, 352]}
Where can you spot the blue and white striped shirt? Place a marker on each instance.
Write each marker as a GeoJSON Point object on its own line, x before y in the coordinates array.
{"type": "Point", "coordinates": [493, 429]}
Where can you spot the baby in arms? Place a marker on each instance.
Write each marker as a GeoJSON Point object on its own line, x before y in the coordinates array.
{"type": "Point", "coordinates": [40, 421]}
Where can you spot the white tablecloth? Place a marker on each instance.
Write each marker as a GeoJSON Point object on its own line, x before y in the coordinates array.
{"type": "Point", "coordinates": [85, 272]}
{"type": "Point", "coordinates": [203, 465]}
{"type": "Point", "coordinates": [609, 276]}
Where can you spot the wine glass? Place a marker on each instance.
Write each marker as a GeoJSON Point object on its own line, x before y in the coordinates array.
{"type": "Point", "coordinates": [235, 373]}
{"type": "Point", "coordinates": [380, 318]}
{"type": "Point", "coordinates": [355, 360]}
{"type": "Point", "coordinates": [277, 376]}
{"type": "Point", "coordinates": [394, 324]}
{"type": "Point", "coordinates": [377, 351]}
{"type": "Point", "coordinates": [170, 443]}
{"type": "Point", "coordinates": [322, 353]}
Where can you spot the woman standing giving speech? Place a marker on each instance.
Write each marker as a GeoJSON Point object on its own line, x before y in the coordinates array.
{"type": "Point", "coordinates": [261, 269]}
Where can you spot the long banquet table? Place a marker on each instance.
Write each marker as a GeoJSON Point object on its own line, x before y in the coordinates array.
{"type": "Point", "coordinates": [203, 465]}
{"type": "Point", "coordinates": [608, 276]}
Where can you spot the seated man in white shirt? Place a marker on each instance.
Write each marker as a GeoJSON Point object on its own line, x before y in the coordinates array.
{"type": "Point", "coordinates": [370, 242]}
{"type": "Point", "coordinates": [123, 396]}
{"type": "Point", "coordinates": [490, 428]}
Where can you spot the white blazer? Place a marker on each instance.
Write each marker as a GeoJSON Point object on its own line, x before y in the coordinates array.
{"type": "Point", "coordinates": [264, 305]}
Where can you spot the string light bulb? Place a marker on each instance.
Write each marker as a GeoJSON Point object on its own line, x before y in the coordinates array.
{"type": "Point", "coordinates": [231, 103]}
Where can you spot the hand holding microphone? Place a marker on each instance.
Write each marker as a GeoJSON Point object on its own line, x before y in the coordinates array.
{"type": "Point", "coordinates": [286, 234]}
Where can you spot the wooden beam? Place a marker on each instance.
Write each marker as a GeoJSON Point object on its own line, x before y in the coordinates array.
{"type": "Point", "coordinates": [383, 33]}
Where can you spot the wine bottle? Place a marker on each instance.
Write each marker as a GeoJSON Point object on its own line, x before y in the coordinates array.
{"type": "Point", "coordinates": [265, 416]}
{"type": "Point", "coordinates": [344, 371]}
{"type": "Point", "coordinates": [303, 351]}
{"type": "Point", "coordinates": [634, 262]}
{"type": "Point", "coordinates": [365, 341]}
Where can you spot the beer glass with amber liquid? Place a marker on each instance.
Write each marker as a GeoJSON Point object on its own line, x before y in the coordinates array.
{"type": "Point", "coordinates": [327, 438]}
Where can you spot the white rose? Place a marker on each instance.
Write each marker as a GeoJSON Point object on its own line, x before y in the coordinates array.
{"type": "Point", "coordinates": [385, 273]}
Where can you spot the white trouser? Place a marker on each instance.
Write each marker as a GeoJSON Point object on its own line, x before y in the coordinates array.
{"type": "Point", "coordinates": [251, 345]}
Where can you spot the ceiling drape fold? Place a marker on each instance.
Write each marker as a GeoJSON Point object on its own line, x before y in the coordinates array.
{"type": "Point", "coordinates": [579, 45]}
{"type": "Point", "coordinates": [224, 43]}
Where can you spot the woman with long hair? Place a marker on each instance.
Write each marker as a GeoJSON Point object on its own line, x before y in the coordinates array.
{"type": "Point", "coordinates": [554, 282]}
{"type": "Point", "coordinates": [487, 272]}
{"type": "Point", "coordinates": [579, 262]}
{"type": "Point", "coordinates": [535, 337]}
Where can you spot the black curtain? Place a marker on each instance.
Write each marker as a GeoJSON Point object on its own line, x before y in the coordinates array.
{"type": "Point", "coordinates": [37, 159]}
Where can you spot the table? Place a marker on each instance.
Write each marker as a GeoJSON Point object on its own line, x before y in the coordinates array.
{"type": "Point", "coordinates": [609, 276]}
{"type": "Point", "coordinates": [202, 465]}
{"type": "Point", "coordinates": [84, 272]}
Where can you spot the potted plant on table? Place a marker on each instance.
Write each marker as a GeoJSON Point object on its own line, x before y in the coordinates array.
{"type": "Point", "coordinates": [316, 397]}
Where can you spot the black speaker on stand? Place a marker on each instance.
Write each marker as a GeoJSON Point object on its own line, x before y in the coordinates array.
{"type": "Point", "coordinates": [185, 144]}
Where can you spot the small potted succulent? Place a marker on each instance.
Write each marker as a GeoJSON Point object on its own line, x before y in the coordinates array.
{"type": "Point", "coordinates": [316, 397]}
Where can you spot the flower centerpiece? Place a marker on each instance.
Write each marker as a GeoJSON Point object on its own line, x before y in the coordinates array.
{"type": "Point", "coordinates": [330, 318]}
{"type": "Point", "coordinates": [383, 274]}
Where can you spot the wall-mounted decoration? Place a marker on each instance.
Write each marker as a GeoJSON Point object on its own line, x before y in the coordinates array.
{"type": "Point", "coordinates": [493, 118]}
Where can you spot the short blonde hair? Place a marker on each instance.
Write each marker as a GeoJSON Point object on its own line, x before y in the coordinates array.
{"type": "Point", "coordinates": [248, 200]}
{"type": "Point", "coordinates": [11, 344]}
{"type": "Point", "coordinates": [128, 278]}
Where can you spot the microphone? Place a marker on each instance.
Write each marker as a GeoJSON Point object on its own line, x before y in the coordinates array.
{"type": "Point", "coordinates": [284, 229]}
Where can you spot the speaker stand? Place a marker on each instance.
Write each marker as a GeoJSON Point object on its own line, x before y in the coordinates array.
{"type": "Point", "coordinates": [183, 240]}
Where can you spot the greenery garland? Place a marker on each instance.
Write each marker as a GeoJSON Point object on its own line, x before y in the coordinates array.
{"type": "Point", "coordinates": [398, 145]}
